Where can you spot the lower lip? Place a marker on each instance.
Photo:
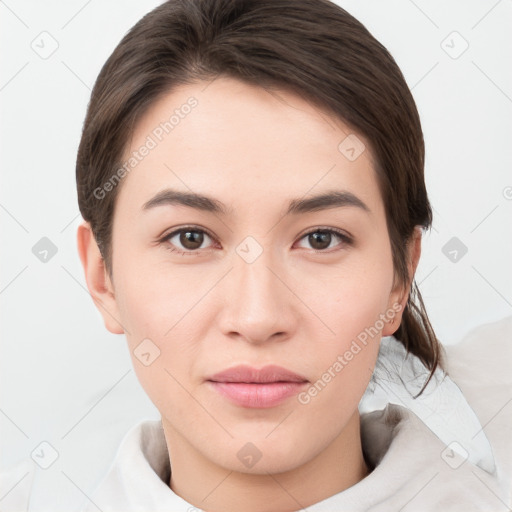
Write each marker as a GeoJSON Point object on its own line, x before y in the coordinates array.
{"type": "Point", "coordinates": [258, 396]}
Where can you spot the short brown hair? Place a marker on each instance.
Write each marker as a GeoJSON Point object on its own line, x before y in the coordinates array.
{"type": "Point", "coordinates": [313, 48]}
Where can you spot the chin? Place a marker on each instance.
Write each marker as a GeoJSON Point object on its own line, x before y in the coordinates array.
{"type": "Point", "coordinates": [259, 454]}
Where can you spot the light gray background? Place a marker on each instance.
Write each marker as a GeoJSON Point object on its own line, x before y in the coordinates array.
{"type": "Point", "coordinates": [64, 378]}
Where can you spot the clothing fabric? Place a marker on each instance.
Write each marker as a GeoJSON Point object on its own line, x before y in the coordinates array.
{"type": "Point", "coordinates": [449, 449]}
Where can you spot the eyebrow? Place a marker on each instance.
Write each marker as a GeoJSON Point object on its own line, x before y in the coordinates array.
{"type": "Point", "coordinates": [323, 201]}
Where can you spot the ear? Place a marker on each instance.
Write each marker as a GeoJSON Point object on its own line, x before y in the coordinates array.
{"type": "Point", "coordinates": [400, 294]}
{"type": "Point", "coordinates": [98, 281]}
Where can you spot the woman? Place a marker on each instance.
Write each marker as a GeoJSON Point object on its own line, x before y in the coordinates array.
{"type": "Point", "coordinates": [251, 179]}
{"type": "Point", "coordinates": [250, 176]}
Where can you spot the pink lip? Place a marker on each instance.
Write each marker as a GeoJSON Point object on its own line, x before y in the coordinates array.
{"type": "Point", "coordinates": [250, 387]}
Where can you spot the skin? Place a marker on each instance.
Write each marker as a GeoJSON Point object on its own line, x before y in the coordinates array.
{"type": "Point", "coordinates": [293, 306]}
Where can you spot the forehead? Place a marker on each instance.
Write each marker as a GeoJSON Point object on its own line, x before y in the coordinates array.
{"type": "Point", "coordinates": [229, 138]}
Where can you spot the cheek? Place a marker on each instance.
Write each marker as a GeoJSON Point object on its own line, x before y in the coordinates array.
{"type": "Point", "coordinates": [158, 321]}
{"type": "Point", "coordinates": [351, 298]}
{"type": "Point", "coordinates": [344, 358]}
{"type": "Point", "coordinates": [353, 309]}
{"type": "Point", "coordinates": [155, 310]}
{"type": "Point", "coordinates": [153, 298]}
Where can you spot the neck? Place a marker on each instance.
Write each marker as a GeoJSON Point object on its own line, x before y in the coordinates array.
{"type": "Point", "coordinates": [204, 484]}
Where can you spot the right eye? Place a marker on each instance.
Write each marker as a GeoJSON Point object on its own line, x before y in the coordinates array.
{"type": "Point", "coordinates": [190, 238]}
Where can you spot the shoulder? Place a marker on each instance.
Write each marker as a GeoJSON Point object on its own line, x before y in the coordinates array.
{"type": "Point", "coordinates": [140, 460]}
{"type": "Point", "coordinates": [480, 364]}
{"type": "Point", "coordinates": [485, 351]}
{"type": "Point", "coordinates": [415, 471]}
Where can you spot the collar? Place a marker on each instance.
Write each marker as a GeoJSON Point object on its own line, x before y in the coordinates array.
{"type": "Point", "coordinates": [399, 376]}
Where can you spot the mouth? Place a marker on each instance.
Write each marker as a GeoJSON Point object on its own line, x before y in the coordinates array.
{"type": "Point", "coordinates": [249, 387]}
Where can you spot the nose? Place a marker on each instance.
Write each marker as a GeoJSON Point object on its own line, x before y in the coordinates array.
{"type": "Point", "coordinates": [258, 304]}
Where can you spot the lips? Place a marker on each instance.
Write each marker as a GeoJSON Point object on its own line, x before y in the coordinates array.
{"type": "Point", "coordinates": [248, 374]}
{"type": "Point", "coordinates": [257, 388]}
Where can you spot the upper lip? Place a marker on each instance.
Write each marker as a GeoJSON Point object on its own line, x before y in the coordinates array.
{"type": "Point", "coordinates": [248, 374]}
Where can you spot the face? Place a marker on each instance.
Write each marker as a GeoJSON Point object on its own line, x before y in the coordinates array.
{"type": "Point", "coordinates": [202, 286]}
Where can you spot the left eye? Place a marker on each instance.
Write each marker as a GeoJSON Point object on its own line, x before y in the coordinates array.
{"type": "Point", "coordinates": [322, 238]}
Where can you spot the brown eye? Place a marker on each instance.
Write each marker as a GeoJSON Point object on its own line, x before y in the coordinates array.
{"type": "Point", "coordinates": [185, 240]}
{"type": "Point", "coordinates": [321, 239]}
{"type": "Point", "coordinates": [191, 239]}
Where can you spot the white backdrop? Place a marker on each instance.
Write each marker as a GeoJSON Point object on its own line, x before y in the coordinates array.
{"type": "Point", "coordinates": [63, 376]}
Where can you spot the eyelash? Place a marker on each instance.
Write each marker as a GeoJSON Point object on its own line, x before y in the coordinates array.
{"type": "Point", "coordinates": [346, 240]}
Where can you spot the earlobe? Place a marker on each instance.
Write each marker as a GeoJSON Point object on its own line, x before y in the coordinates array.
{"type": "Point", "coordinates": [399, 297]}
{"type": "Point", "coordinates": [96, 276]}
